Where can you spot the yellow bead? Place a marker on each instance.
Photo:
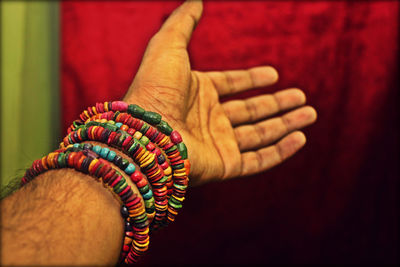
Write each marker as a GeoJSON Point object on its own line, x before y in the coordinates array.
{"type": "Point", "coordinates": [94, 110]}
{"type": "Point", "coordinates": [106, 106]}
{"type": "Point", "coordinates": [168, 171]}
{"type": "Point", "coordinates": [86, 114]}
{"type": "Point", "coordinates": [137, 135]}
{"type": "Point", "coordinates": [44, 163]}
{"type": "Point", "coordinates": [164, 141]}
{"type": "Point", "coordinates": [180, 199]}
{"type": "Point", "coordinates": [147, 161]}
{"type": "Point", "coordinates": [91, 165]}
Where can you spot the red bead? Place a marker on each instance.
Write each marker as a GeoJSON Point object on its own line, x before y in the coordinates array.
{"type": "Point", "coordinates": [131, 131]}
{"type": "Point", "coordinates": [136, 176]}
{"type": "Point", "coordinates": [111, 137]}
{"type": "Point", "coordinates": [157, 151]}
{"type": "Point", "coordinates": [116, 181]}
{"type": "Point", "coordinates": [107, 176]}
{"type": "Point", "coordinates": [126, 141]}
{"type": "Point", "coordinates": [176, 138]}
{"type": "Point", "coordinates": [168, 146]}
{"type": "Point", "coordinates": [164, 165]}
{"type": "Point", "coordinates": [141, 183]}
{"type": "Point", "coordinates": [123, 192]}
{"type": "Point", "coordinates": [150, 146]}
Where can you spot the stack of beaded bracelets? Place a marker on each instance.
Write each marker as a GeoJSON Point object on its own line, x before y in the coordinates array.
{"type": "Point", "coordinates": [151, 146]}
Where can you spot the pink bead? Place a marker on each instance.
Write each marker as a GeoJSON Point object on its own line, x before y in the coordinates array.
{"type": "Point", "coordinates": [119, 105]}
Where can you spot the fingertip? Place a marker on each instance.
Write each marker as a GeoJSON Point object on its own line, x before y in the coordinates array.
{"type": "Point", "coordinates": [300, 95]}
{"type": "Point", "coordinates": [264, 75]}
{"type": "Point", "coordinates": [312, 113]}
{"type": "Point", "coordinates": [195, 6]}
{"type": "Point", "coordinates": [299, 139]}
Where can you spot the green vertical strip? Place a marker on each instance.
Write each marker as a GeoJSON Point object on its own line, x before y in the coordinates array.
{"type": "Point", "coordinates": [30, 120]}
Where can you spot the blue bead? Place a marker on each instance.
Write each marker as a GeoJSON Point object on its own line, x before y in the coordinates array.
{"type": "Point", "coordinates": [148, 195]}
{"type": "Point", "coordinates": [118, 124]}
{"type": "Point", "coordinates": [104, 152]}
{"type": "Point", "coordinates": [97, 149]}
{"type": "Point", "coordinates": [130, 169]}
{"type": "Point", "coordinates": [111, 155]}
{"type": "Point", "coordinates": [160, 159]}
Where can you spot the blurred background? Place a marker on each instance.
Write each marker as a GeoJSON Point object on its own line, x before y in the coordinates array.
{"type": "Point", "coordinates": [336, 201]}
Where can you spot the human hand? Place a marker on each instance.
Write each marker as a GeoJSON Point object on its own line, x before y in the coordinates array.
{"type": "Point", "coordinates": [224, 140]}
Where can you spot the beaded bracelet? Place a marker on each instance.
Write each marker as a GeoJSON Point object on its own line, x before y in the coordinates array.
{"type": "Point", "coordinates": [144, 137]}
{"type": "Point", "coordinates": [128, 168]}
{"type": "Point", "coordinates": [88, 162]}
{"type": "Point", "coordinates": [132, 147]}
{"type": "Point", "coordinates": [176, 150]}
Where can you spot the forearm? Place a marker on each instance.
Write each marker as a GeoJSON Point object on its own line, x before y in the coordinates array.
{"type": "Point", "coordinates": [62, 217]}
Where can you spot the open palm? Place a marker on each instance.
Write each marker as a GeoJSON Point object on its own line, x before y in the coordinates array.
{"type": "Point", "coordinates": [224, 140]}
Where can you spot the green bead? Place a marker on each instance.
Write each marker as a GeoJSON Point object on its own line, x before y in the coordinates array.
{"type": "Point", "coordinates": [133, 147]}
{"type": "Point", "coordinates": [91, 123]}
{"type": "Point", "coordinates": [119, 184]}
{"type": "Point", "coordinates": [144, 189]}
{"type": "Point", "coordinates": [136, 111]}
{"type": "Point", "coordinates": [61, 160]}
{"type": "Point", "coordinates": [144, 128]}
{"type": "Point", "coordinates": [176, 167]}
{"type": "Point", "coordinates": [180, 187]}
{"type": "Point", "coordinates": [172, 148]}
{"type": "Point", "coordinates": [76, 124]}
{"type": "Point", "coordinates": [111, 127]}
{"type": "Point", "coordinates": [150, 210]}
{"type": "Point", "coordinates": [152, 117]}
{"type": "Point", "coordinates": [84, 135]}
{"type": "Point", "coordinates": [141, 218]}
{"type": "Point", "coordinates": [164, 127]}
{"type": "Point", "coordinates": [174, 203]}
{"type": "Point", "coordinates": [149, 203]}
{"type": "Point", "coordinates": [118, 188]}
{"type": "Point", "coordinates": [163, 180]}
{"type": "Point", "coordinates": [182, 150]}
{"type": "Point", "coordinates": [144, 140]}
{"type": "Point", "coordinates": [116, 115]}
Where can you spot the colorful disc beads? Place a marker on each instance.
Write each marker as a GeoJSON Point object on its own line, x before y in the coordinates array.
{"type": "Point", "coordinates": [151, 155]}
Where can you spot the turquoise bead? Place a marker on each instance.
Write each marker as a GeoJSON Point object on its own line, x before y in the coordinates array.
{"type": "Point", "coordinates": [118, 124]}
{"type": "Point", "coordinates": [152, 117]}
{"type": "Point", "coordinates": [77, 145]}
{"type": "Point", "coordinates": [111, 155]}
{"type": "Point", "coordinates": [97, 149]}
{"type": "Point", "coordinates": [148, 195]}
{"type": "Point", "coordinates": [130, 169]}
{"type": "Point", "coordinates": [104, 152]}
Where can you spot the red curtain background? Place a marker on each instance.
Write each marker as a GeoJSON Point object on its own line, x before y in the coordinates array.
{"type": "Point", "coordinates": [336, 200]}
